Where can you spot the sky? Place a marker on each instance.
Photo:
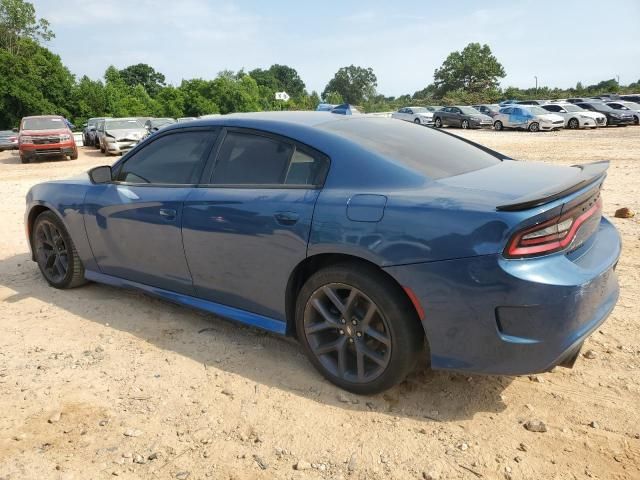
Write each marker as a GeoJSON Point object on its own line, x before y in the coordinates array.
{"type": "Point", "coordinates": [561, 42]}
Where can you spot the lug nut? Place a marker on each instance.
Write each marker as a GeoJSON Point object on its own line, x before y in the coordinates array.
{"type": "Point", "coordinates": [341, 332]}
{"type": "Point", "coordinates": [359, 334]}
{"type": "Point", "coordinates": [351, 340]}
{"type": "Point", "coordinates": [342, 320]}
{"type": "Point", "coordinates": [354, 322]}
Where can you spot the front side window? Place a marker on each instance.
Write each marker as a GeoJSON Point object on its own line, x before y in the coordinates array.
{"type": "Point", "coordinates": [251, 159]}
{"type": "Point", "coordinates": [174, 159]}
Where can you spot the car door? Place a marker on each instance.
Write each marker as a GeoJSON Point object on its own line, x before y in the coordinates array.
{"type": "Point", "coordinates": [134, 223]}
{"type": "Point", "coordinates": [455, 117]}
{"type": "Point", "coordinates": [518, 118]}
{"type": "Point", "coordinates": [247, 226]}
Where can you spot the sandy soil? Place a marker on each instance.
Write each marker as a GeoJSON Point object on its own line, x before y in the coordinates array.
{"type": "Point", "coordinates": [96, 382]}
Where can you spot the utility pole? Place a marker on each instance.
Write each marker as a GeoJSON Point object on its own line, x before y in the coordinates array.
{"type": "Point", "coordinates": [536, 77]}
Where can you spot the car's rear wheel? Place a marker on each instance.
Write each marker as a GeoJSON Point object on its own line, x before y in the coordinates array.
{"type": "Point", "coordinates": [497, 125]}
{"type": "Point", "coordinates": [534, 127]}
{"type": "Point", "coordinates": [636, 120]}
{"type": "Point", "coordinates": [74, 155]}
{"type": "Point", "coordinates": [437, 122]}
{"type": "Point", "coordinates": [358, 328]}
{"type": "Point", "coordinates": [465, 124]}
{"type": "Point", "coordinates": [416, 121]}
{"type": "Point", "coordinates": [55, 252]}
{"type": "Point", "coordinates": [573, 123]}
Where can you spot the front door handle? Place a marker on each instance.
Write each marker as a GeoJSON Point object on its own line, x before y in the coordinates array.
{"type": "Point", "coordinates": [286, 218]}
{"type": "Point", "coordinates": [168, 213]}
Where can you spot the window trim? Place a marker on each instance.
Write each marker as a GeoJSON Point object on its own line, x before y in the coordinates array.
{"type": "Point", "coordinates": [157, 136]}
{"type": "Point", "coordinates": [209, 170]}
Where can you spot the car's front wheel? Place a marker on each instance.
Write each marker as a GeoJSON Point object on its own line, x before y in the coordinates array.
{"type": "Point", "coordinates": [358, 328]}
{"type": "Point", "coordinates": [573, 123]}
{"type": "Point", "coordinates": [498, 125]}
{"type": "Point", "coordinates": [437, 122]}
{"type": "Point", "coordinates": [416, 121]}
{"type": "Point", "coordinates": [465, 124]}
{"type": "Point", "coordinates": [534, 127]}
{"type": "Point", "coordinates": [55, 252]}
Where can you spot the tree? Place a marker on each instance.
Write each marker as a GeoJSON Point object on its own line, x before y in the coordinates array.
{"type": "Point", "coordinates": [353, 84]}
{"type": "Point", "coordinates": [143, 74]}
{"type": "Point", "coordinates": [18, 21]}
{"type": "Point", "coordinates": [473, 70]}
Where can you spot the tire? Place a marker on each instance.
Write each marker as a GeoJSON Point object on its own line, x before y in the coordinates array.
{"type": "Point", "coordinates": [534, 127]}
{"type": "Point", "coordinates": [497, 125]}
{"type": "Point", "coordinates": [464, 124]}
{"type": "Point", "coordinates": [437, 122]}
{"type": "Point", "coordinates": [96, 143]}
{"type": "Point", "coordinates": [74, 155]}
{"type": "Point", "coordinates": [376, 353]}
{"type": "Point", "coordinates": [53, 246]}
{"type": "Point", "coordinates": [417, 121]}
{"type": "Point", "coordinates": [636, 120]}
{"type": "Point", "coordinates": [102, 149]}
{"type": "Point", "coordinates": [24, 159]}
{"type": "Point", "coordinates": [573, 124]}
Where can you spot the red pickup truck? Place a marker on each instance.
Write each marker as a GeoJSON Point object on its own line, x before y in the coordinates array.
{"type": "Point", "coordinates": [45, 136]}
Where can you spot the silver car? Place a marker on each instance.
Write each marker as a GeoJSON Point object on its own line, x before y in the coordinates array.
{"type": "Point", "coordinates": [120, 135]}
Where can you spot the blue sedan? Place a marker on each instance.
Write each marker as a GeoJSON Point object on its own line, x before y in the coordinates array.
{"type": "Point", "coordinates": [377, 243]}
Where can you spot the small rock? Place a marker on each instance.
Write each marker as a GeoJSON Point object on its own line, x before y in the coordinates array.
{"type": "Point", "coordinates": [103, 422]}
{"type": "Point", "coordinates": [302, 465]}
{"type": "Point", "coordinates": [536, 378]}
{"type": "Point", "coordinates": [227, 392]}
{"type": "Point", "coordinates": [353, 463]}
{"type": "Point", "coordinates": [19, 437]}
{"type": "Point", "coordinates": [183, 475]}
{"type": "Point", "coordinates": [517, 459]}
{"type": "Point", "coordinates": [535, 426]}
{"type": "Point", "coordinates": [594, 424]}
{"type": "Point", "coordinates": [153, 456]}
{"type": "Point", "coordinates": [99, 349]}
{"type": "Point", "coordinates": [343, 398]}
{"type": "Point", "coordinates": [137, 458]}
{"type": "Point", "coordinates": [624, 213]}
{"type": "Point", "coordinates": [55, 418]}
{"type": "Point", "coordinates": [523, 447]}
{"type": "Point", "coordinates": [463, 446]}
{"type": "Point", "coordinates": [590, 354]}
{"type": "Point", "coordinates": [261, 463]}
{"type": "Point", "coordinates": [132, 432]}
{"type": "Point", "coordinates": [127, 455]}
{"type": "Point", "coordinates": [430, 476]}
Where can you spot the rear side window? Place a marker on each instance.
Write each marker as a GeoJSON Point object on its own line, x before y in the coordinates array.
{"type": "Point", "coordinates": [426, 151]}
{"type": "Point", "coordinates": [251, 159]}
{"type": "Point", "coordinates": [175, 159]}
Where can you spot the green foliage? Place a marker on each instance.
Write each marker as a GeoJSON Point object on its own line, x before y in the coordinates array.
{"type": "Point", "coordinates": [143, 74]}
{"type": "Point", "coordinates": [18, 21]}
{"type": "Point", "coordinates": [353, 84]}
{"type": "Point", "coordinates": [473, 70]}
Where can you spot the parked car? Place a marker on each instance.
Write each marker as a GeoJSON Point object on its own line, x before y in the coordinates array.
{"type": "Point", "coordinates": [345, 109]}
{"type": "Point", "coordinates": [98, 137]}
{"type": "Point", "coordinates": [530, 102]}
{"type": "Point", "coordinates": [8, 140]}
{"type": "Point", "coordinates": [461, 116]}
{"type": "Point", "coordinates": [579, 100]}
{"type": "Point", "coordinates": [279, 229]}
{"type": "Point", "coordinates": [419, 115]}
{"type": "Point", "coordinates": [89, 132]}
{"type": "Point", "coordinates": [527, 117]}
{"type": "Point", "coordinates": [325, 107]}
{"type": "Point", "coordinates": [627, 107]}
{"type": "Point", "coordinates": [121, 135]}
{"type": "Point", "coordinates": [154, 124]}
{"type": "Point", "coordinates": [45, 136]}
{"type": "Point", "coordinates": [489, 109]}
{"type": "Point", "coordinates": [575, 116]}
{"type": "Point", "coordinates": [631, 98]}
{"type": "Point", "coordinates": [614, 117]}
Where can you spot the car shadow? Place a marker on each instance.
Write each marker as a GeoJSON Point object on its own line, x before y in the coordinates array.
{"type": "Point", "coordinates": [13, 157]}
{"type": "Point", "coordinates": [261, 357]}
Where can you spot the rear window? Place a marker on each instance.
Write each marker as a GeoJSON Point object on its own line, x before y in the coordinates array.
{"type": "Point", "coordinates": [422, 149]}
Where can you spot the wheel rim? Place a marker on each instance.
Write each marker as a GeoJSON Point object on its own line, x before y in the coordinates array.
{"type": "Point", "coordinates": [534, 127]}
{"type": "Point", "coordinates": [417, 120]}
{"type": "Point", "coordinates": [347, 333]}
{"type": "Point", "coordinates": [573, 123]}
{"type": "Point", "coordinates": [438, 122]}
{"type": "Point", "coordinates": [465, 124]}
{"type": "Point", "coordinates": [51, 251]}
{"type": "Point", "coordinates": [498, 126]}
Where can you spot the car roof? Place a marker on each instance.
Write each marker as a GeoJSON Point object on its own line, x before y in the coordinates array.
{"type": "Point", "coordinates": [43, 116]}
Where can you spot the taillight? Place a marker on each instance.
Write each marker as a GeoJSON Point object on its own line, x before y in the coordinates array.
{"type": "Point", "coordinates": [553, 235]}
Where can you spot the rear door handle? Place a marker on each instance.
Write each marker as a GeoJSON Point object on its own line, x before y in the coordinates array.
{"type": "Point", "coordinates": [286, 218]}
{"type": "Point", "coordinates": [168, 213]}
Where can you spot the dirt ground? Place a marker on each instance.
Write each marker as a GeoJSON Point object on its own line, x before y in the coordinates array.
{"type": "Point", "coordinates": [98, 382]}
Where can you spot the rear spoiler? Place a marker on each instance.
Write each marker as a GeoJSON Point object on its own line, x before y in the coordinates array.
{"type": "Point", "coordinates": [590, 173]}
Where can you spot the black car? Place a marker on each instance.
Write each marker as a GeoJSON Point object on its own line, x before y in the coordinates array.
{"type": "Point", "coordinates": [8, 140]}
{"type": "Point", "coordinates": [631, 98]}
{"type": "Point", "coordinates": [614, 117]}
{"type": "Point", "coordinates": [461, 116]}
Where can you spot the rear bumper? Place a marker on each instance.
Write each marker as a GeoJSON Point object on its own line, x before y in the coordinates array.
{"type": "Point", "coordinates": [491, 315]}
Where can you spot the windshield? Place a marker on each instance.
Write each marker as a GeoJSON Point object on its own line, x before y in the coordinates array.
{"type": "Point", "coordinates": [45, 123]}
{"type": "Point", "coordinates": [123, 124]}
{"type": "Point", "coordinates": [632, 105]}
{"type": "Point", "coordinates": [426, 151]}
{"type": "Point", "coordinates": [469, 110]}
{"type": "Point", "coordinates": [601, 107]}
{"type": "Point", "coordinates": [434, 108]}
{"type": "Point", "coordinates": [536, 110]}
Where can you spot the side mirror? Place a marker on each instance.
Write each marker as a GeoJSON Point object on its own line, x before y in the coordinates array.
{"type": "Point", "coordinates": [100, 174]}
{"type": "Point", "coordinates": [14, 130]}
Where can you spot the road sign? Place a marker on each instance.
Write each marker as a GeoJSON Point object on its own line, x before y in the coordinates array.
{"type": "Point", "coordinates": [282, 96]}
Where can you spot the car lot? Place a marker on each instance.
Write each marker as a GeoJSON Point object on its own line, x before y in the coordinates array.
{"type": "Point", "coordinates": [134, 376]}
